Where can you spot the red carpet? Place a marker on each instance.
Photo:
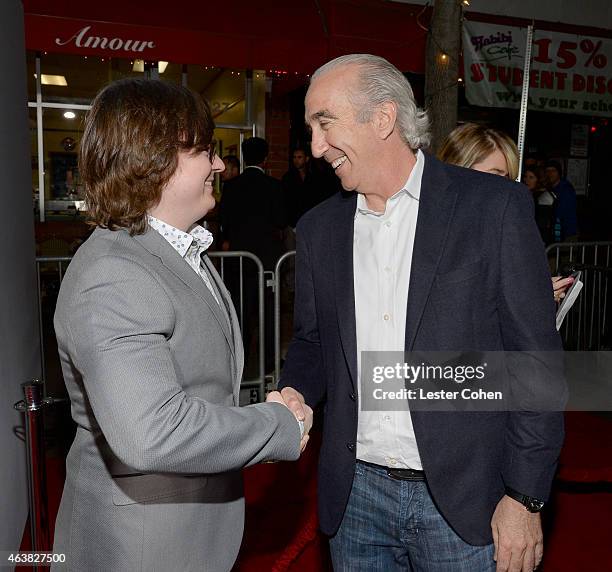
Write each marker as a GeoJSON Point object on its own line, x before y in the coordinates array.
{"type": "Point", "coordinates": [587, 451]}
{"type": "Point", "coordinates": [281, 529]}
{"type": "Point", "coordinates": [578, 531]}
{"type": "Point", "coordinates": [281, 524]}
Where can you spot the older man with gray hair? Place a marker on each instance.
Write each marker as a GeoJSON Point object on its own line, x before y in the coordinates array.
{"type": "Point", "coordinates": [424, 256]}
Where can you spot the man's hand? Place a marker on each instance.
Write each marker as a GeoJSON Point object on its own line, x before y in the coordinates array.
{"type": "Point", "coordinates": [294, 401]}
{"type": "Point", "coordinates": [517, 534]}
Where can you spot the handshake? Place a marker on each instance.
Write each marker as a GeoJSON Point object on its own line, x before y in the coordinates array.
{"type": "Point", "coordinates": [294, 401]}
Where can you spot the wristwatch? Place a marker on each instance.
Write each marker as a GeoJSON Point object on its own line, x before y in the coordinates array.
{"type": "Point", "coordinates": [530, 503]}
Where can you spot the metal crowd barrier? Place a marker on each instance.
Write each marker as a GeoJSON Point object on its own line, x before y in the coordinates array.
{"type": "Point", "coordinates": [259, 382]}
{"type": "Point", "coordinates": [50, 272]}
{"type": "Point", "coordinates": [277, 310]}
{"type": "Point", "coordinates": [587, 325]}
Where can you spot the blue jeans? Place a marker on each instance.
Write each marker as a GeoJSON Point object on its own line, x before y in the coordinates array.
{"type": "Point", "coordinates": [394, 525]}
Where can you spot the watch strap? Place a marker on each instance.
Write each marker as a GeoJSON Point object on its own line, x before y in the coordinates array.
{"type": "Point", "coordinates": [530, 503]}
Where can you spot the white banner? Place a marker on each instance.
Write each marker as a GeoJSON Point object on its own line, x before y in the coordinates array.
{"type": "Point", "coordinates": [569, 73]}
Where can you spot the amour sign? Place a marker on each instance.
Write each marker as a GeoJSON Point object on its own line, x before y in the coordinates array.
{"type": "Point", "coordinates": [85, 38]}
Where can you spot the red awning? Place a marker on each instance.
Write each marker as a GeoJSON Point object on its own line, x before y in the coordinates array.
{"type": "Point", "coordinates": [280, 35]}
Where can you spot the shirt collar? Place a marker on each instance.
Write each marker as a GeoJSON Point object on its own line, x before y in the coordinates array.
{"type": "Point", "coordinates": [179, 240]}
{"type": "Point", "coordinates": [254, 167]}
{"type": "Point", "coordinates": [412, 186]}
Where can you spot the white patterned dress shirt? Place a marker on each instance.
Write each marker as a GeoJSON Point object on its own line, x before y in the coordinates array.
{"type": "Point", "coordinates": [189, 245]}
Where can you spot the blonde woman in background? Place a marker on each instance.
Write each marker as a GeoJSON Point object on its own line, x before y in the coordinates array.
{"type": "Point", "coordinates": [488, 150]}
{"type": "Point", "coordinates": [481, 148]}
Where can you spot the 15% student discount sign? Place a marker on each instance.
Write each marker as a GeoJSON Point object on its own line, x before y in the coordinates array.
{"type": "Point", "coordinates": [569, 73]}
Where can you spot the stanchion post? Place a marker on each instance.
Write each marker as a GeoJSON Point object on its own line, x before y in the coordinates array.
{"type": "Point", "coordinates": [32, 406]}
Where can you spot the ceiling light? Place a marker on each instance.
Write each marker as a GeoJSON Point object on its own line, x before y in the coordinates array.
{"type": "Point", "coordinates": [139, 65]}
{"type": "Point", "coordinates": [69, 114]}
{"type": "Point", "coordinates": [47, 79]}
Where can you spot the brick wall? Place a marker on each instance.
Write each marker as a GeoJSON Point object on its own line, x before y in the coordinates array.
{"type": "Point", "coordinates": [277, 134]}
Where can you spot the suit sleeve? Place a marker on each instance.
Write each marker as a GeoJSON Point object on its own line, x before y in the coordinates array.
{"type": "Point", "coordinates": [303, 369]}
{"type": "Point", "coordinates": [119, 323]}
{"type": "Point", "coordinates": [527, 317]}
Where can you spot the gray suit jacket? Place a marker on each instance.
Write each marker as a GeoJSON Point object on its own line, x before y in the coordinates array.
{"type": "Point", "coordinates": [153, 365]}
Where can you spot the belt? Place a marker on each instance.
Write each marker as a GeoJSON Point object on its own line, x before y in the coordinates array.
{"type": "Point", "coordinates": [399, 474]}
{"type": "Point", "coordinates": [406, 474]}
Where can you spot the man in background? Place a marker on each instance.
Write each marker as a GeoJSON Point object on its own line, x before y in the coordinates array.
{"type": "Point", "coordinates": [307, 183]}
{"type": "Point", "coordinates": [232, 168]}
{"type": "Point", "coordinates": [298, 187]}
{"type": "Point", "coordinates": [252, 219]}
{"type": "Point", "coordinates": [565, 225]}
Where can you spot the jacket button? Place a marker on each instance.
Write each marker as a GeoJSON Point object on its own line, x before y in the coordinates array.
{"type": "Point", "coordinates": [352, 396]}
{"type": "Point", "coordinates": [350, 447]}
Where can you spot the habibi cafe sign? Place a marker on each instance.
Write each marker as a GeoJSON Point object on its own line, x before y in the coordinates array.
{"type": "Point", "coordinates": [570, 73]}
{"type": "Point", "coordinates": [83, 39]}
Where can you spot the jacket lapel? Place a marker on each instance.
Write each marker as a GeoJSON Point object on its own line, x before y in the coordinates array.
{"type": "Point", "coordinates": [436, 207]}
{"type": "Point", "coordinates": [342, 238]}
{"type": "Point", "coordinates": [157, 246]}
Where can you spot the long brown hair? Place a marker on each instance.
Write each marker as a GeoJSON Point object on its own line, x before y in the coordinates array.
{"type": "Point", "coordinates": [129, 150]}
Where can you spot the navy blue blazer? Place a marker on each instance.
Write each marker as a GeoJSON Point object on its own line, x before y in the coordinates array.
{"type": "Point", "coordinates": [479, 281]}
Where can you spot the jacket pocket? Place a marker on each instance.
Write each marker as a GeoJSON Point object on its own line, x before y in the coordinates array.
{"type": "Point", "coordinates": [460, 274]}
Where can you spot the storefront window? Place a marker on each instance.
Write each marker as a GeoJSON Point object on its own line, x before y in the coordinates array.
{"type": "Point", "coordinates": [34, 155]}
{"type": "Point", "coordinates": [31, 71]}
{"type": "Point", "coordinates": [223, 88]}
{"type": "Point", "coordinates": [170, 71]}
{"type": "Point", "coordinates": [62, 131]}
{"type": "Point", "coordinates": [84, 76]}
{"type": "Point", "coordinates": [69, 83]}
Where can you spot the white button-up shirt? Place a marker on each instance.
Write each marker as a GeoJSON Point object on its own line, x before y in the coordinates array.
{"type": "Point", "coordinates": [382, 258]}
{"type": "Point", "coordinates": [190, 246]}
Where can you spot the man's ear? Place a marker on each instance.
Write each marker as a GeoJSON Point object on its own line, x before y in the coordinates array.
{"type": "Point", "coordinates": [385, 118]}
